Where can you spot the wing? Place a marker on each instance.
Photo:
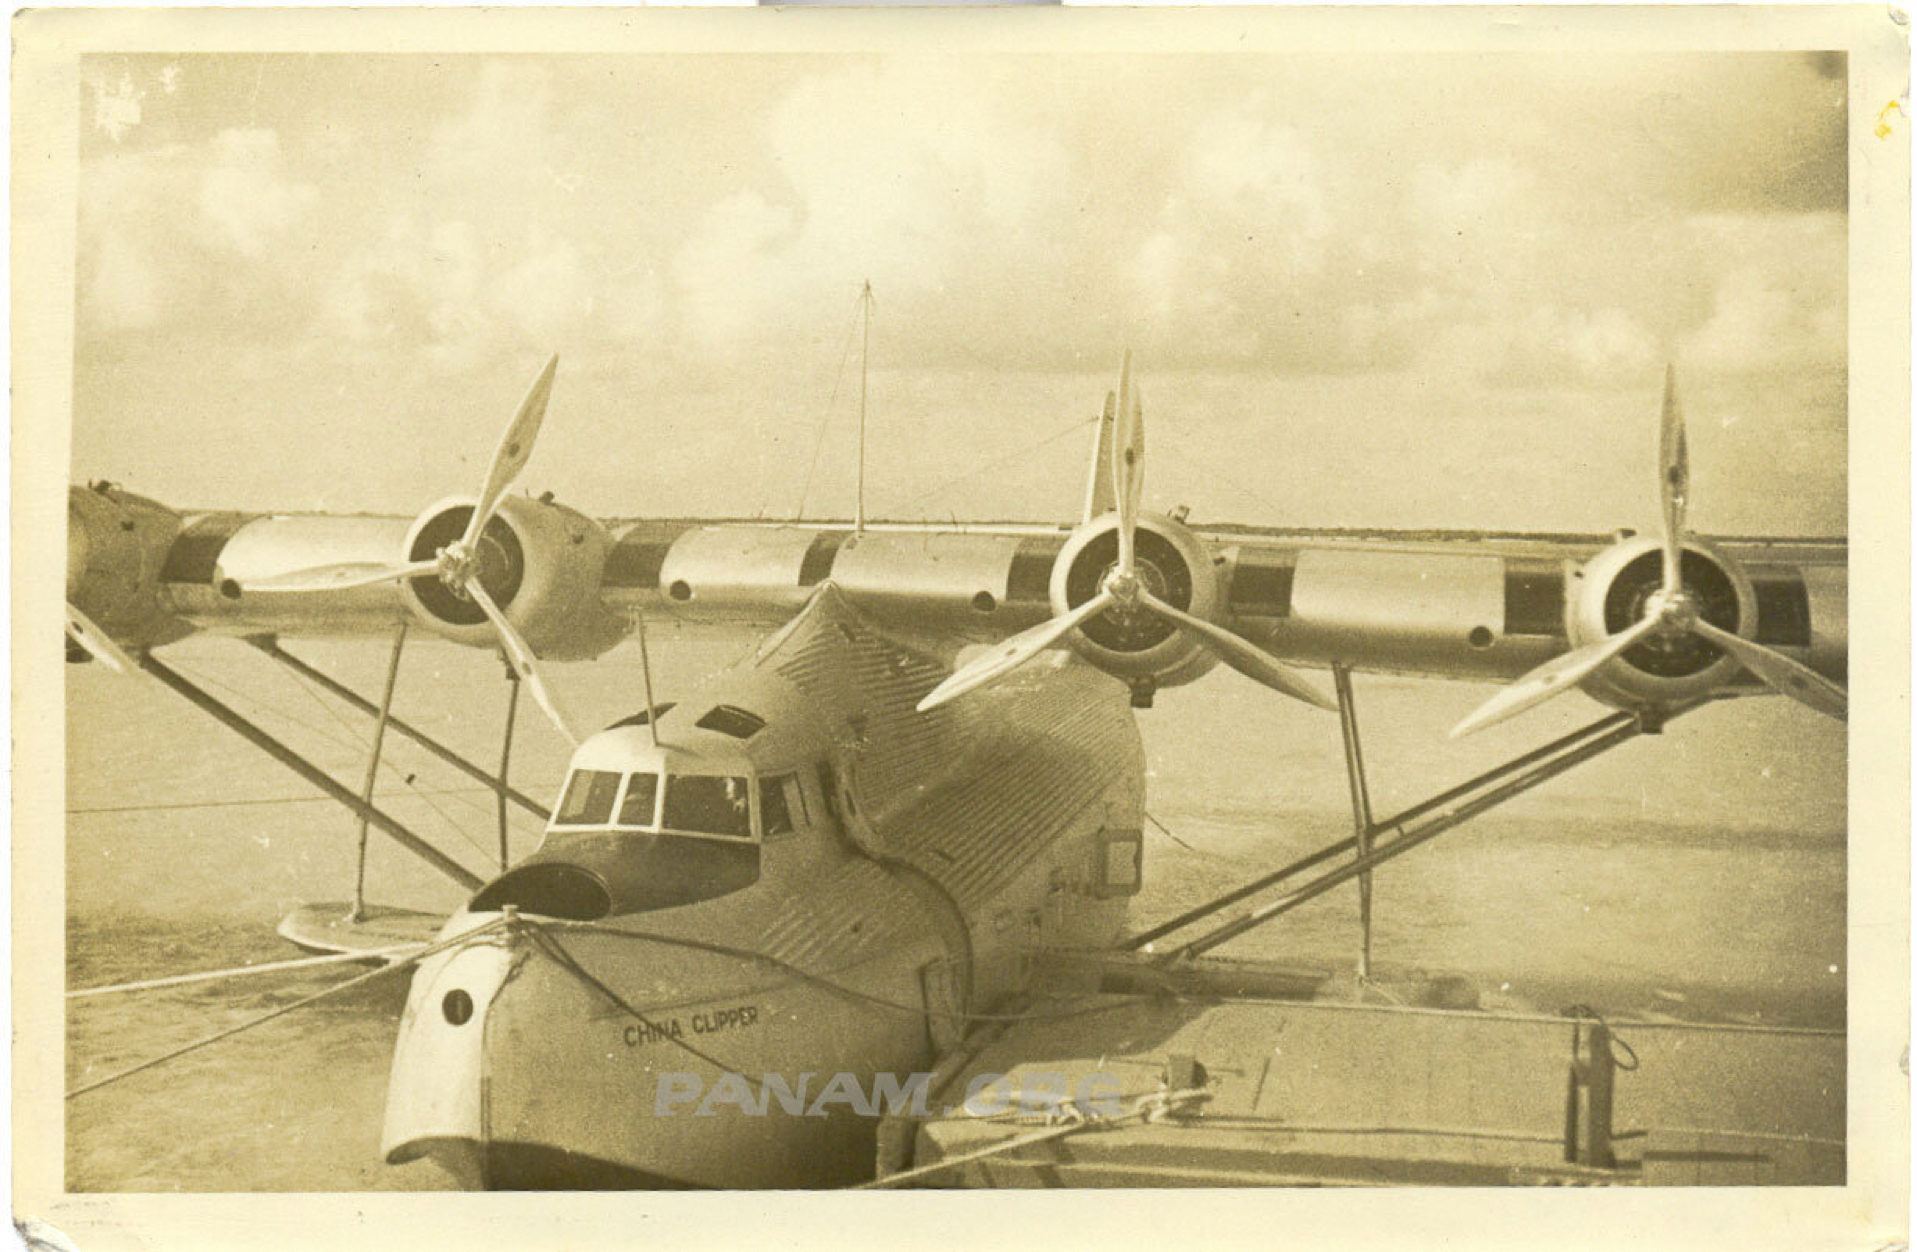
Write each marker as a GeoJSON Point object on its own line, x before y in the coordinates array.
{"type": "Point", "coordinates": [543, 580]}
{"type": "Point", "coordinates": [1444, 604]}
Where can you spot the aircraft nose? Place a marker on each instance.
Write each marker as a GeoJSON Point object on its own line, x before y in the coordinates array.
{"type": "Point", "coordinates": [435, 1103]}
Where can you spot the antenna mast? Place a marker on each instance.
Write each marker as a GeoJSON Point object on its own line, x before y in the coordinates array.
{"type": "Point", "coordinates": [645, 666]}
{"type": "Point", "coordinates": [865, 353]}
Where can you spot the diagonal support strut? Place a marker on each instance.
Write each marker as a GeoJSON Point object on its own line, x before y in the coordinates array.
{"type": "Point", "coordinates": [271, 647]}
{"type": "Point", "coordinates": [372, 814]}
{"type": "Point", "coordinates": [1591, 742]}
{"type": "Point", "coordinates": [1452, 807]}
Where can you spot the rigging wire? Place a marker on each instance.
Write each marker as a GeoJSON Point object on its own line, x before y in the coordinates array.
{"type": "Point", "coordinates": [1198, 851]}
{"type": "Point", "coordinates": [1027, 450]}
{"type": "Point", "coordinates": [265, 706]}
{"type": "Point", "coordinates": [406, 779]}
{"type": "Point", "coordinates": [825, 418]}
{"type": "Point", "coordinates": [1227, 479]}
{"type": "Point", "coordinates": [264, 800]}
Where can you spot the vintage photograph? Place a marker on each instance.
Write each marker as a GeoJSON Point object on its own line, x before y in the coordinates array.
{"type": "Point", "coordinates": [935, 616]}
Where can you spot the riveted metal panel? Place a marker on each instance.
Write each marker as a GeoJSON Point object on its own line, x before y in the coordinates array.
{"type": "Point", "coordinates": [1826, 588]}
{"type": "Point", "coordinates": [1533, 597]}
{"type": "Point", "coordinates": [264, 546]}
{"type": "Point", "coordinates": [637, 553]}
{"type": "Point", "coordinates": [1783, 606]}
{"type": "Point", "coordinates": [1405, 595]}
{"type": "Point", "coordinates": [748, 568]}
{"type": "Point", "coordinates": [267, 546]}
{"type": "Point", "coordinates": [1410, 612]}
{"type": "Point", "coordinates": [1261, 580]}
{"type": "Point", "coordinates": [931, 576]}
{"type": "Point", "coordinates": [195, 553]}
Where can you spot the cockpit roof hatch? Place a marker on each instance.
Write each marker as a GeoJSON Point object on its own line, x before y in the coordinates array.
{"type": "Point", "coordinates": [730, 719]}
{"type": "Point", "coordinates": [644, 715]}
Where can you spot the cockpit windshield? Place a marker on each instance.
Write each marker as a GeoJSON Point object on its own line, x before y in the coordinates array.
{"type": "Point", "coordinates": [588, 798]}
{"type": "Point", "coordinates": [698, 804]}
{"type": "Point", "coordinates": [641, 805]}
{"type": "Point", "coordinates": [707, 805]}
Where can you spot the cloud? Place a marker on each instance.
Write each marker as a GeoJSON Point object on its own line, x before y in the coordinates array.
{"type": "Point", "coordinates": [1778, 301]}
{"type": "Point", "coordinates": [246, 197]}
{"type": "Point", "coordinates": [193, 232]}
{"type": "Point", "coordinates": [902, 173]}
{"type": "Point", "coordinates": [1025, 213]}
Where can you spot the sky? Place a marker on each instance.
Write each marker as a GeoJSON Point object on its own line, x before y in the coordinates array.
{"type": "Point", "coordinates": [1375, 290]}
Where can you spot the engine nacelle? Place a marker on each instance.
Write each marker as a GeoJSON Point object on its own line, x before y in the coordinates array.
{"type": "Point", "coordinates": [1608, 595]}
{"type": "Point", "coordinates": [1174, 565]}
{"type": "Point", "coordinates": [117, 548]}
{"type": "Point", "coordinates": [541, 562]}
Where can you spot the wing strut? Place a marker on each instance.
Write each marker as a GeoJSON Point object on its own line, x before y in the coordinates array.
{"type": "Point", "coordinates": [372, 768]}
{"type": "Point", "coordinates": [286, 756]}
{"type": "Point", "coordinates": [1419, 824]}
{"type": "Point", "coordinates": [505, 762]}
{"type": "Point", "coordinates": [1360, 806]}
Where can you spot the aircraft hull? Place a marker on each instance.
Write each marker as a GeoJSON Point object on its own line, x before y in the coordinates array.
{"type": "Point", "coordinates": [549, 1082]}
{"type": "Point", "coordinates": [546, 1053]}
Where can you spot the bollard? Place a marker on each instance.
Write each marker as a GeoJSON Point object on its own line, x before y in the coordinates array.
{"type": "Point", "coordinates": [1588, 1097]}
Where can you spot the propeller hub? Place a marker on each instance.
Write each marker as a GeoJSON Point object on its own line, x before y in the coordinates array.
{"type": "Point", "coordinates": [1124, 585]}
{"type": "Point", "coordinates": [457, 563]}
{"type": "Point", "coordinates": [1676, 611]}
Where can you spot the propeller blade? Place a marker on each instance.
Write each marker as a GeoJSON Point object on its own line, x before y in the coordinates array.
{"type": "Point", "coordinates": [98, 643]}
{"type": "Point", "coordinates": [520, 657]}
{"type": "Point", "coordinates": [1674, 481]}
{"type": "Point", "coordinates": [339, 577]}
{"type": "Point", "coordinates": [1554, 676]}
{"type": "Point", "coordinates": [515, 449]}
{"type": "Point", "coordinates": [1014, 652]}
{"type": "Point", "coordinates": [1241, 654]}
{"type": "Point", "coordinates": [1128, 463]}
{"type": "Point", "coordinates": [1780, 673]}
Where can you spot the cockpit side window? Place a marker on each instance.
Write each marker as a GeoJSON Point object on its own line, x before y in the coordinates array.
{"type": "Point", "coordinates": [707, 805]}
{"type": "Point", "coordinates": [775, 818]}
{"type": "Point", "coordinates": [641, 805]}
{"type": "Point", "coordinates": [588, 799]}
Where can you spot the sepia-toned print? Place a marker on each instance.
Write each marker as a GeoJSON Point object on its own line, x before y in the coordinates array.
{"type": "Point", "coordinates": [936, 618]}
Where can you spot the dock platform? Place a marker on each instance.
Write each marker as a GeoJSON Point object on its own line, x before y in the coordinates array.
{"type": "Point", "coordinates": [1224, 1088]}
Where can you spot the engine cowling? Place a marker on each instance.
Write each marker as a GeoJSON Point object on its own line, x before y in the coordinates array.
{"type": "Point", "coordinates": [542, 564]}
{"type": "Point", "coordinates": [1144, 650]}
{"type": "Point", "coordinates": [117, 547]}
{"type": "Point", "coordinates": [1611, 592]}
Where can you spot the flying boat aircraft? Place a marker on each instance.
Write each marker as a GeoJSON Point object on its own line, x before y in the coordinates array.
{"type": "Point", "coordinates": [833, 857]}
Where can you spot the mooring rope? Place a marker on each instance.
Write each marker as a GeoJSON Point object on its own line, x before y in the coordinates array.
{"type": "Point", "coordinates": [240, 971]}
{"type": "Point", "coordinates": [1099, 1004]}
{"type": "Point", "coordinates": [283, 1010]}
{"type": "Point", "coordinates": [1151, 1106]}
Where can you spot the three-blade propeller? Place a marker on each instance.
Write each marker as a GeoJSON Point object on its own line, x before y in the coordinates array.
{"type": "Point", "coordinates": [1671, 611]}
{"type": "Point", "coordinates": [458, 564]}
{"type": "Point", "coordinates": [1123, 588]}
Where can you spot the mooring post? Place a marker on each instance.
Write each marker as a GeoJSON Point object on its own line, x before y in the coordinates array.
{"type": "Point", "coordinates": [1589, 1097]}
